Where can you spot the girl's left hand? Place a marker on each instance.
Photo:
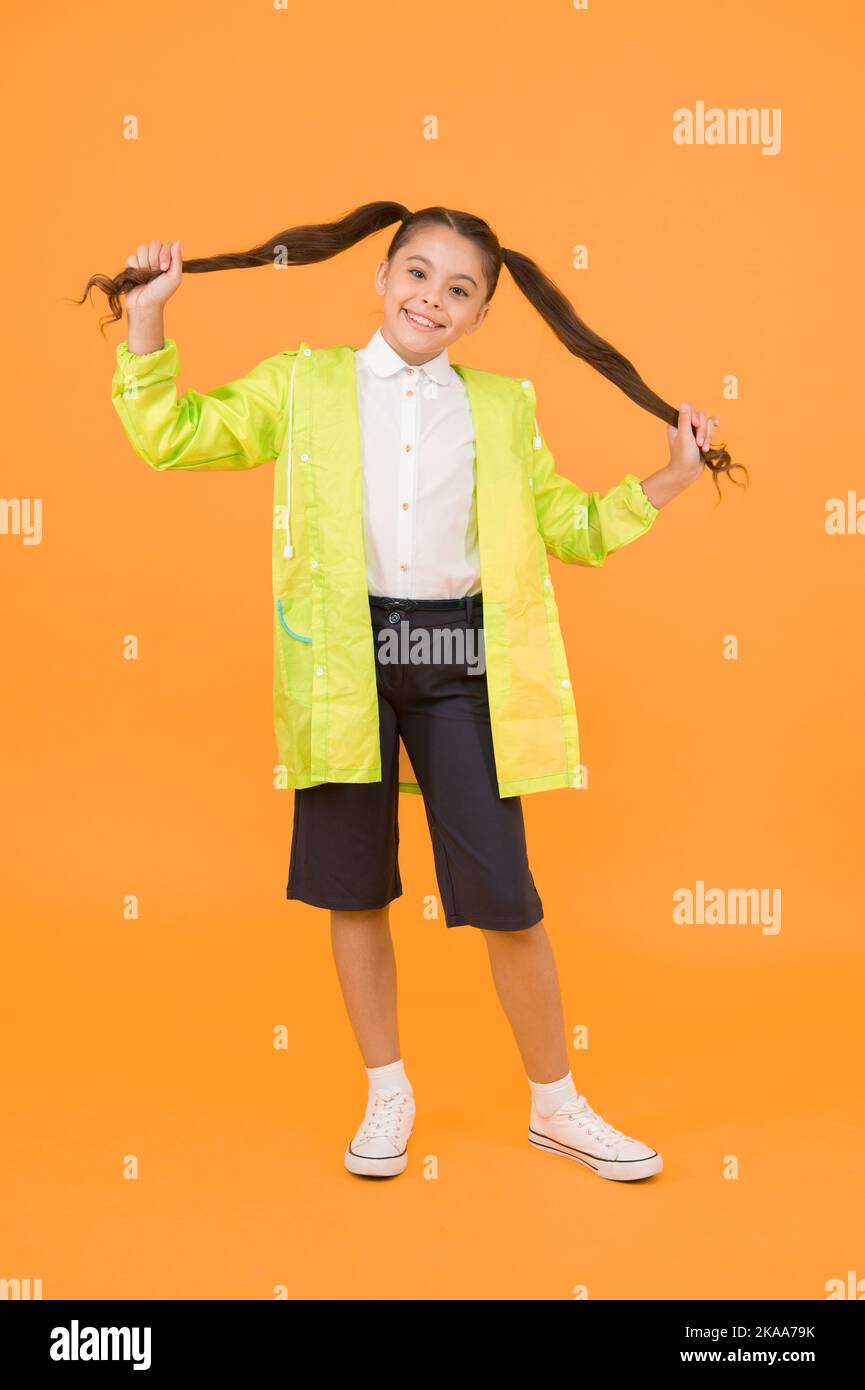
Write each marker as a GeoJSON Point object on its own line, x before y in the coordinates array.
{"type": "Point", "coordinates": [684, 447]}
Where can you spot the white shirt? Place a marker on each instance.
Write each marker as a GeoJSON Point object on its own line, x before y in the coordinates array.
{"type": "Point", "coordinates": [418, 462]}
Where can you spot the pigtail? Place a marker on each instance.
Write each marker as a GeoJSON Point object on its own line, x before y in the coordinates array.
{"type": "Point", "coordinates": [304, 245]}
{"type": "Point", "coordinates": [583, 342]}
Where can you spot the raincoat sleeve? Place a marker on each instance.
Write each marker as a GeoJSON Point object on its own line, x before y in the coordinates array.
{"type": "Point", "coordinates": [583, 528]}
{"type": "Point", "coordinates": [239, 425]}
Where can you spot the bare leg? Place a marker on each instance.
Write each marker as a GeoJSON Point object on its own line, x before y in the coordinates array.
{"type": "Point", "coordinates": [526, 981]}
{"type": "Point", "coordinates": [365, 964]}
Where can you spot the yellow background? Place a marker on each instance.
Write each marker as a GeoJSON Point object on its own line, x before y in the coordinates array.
{"type": "Point", "coordinates": [154, 777]}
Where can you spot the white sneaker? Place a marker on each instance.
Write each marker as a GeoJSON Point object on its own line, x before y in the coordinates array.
{"type": "Point", "coordinates": [576, 1131]}
{"type": "Point", "coordinates": [379, 1149]}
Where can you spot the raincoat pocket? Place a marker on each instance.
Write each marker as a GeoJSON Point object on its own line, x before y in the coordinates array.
{"type": "Point", "coordinates": [294, 644]}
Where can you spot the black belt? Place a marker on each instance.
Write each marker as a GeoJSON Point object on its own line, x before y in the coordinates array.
{"type": "Point", "coordinates": [406, 604]}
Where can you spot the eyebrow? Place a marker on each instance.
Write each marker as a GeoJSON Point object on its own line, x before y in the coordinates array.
{"type": "Point", "coordinates": [415, 257]}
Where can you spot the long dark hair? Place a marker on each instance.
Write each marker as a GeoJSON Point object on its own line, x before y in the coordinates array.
{"type": "Point", "coordinates": [319, 241]}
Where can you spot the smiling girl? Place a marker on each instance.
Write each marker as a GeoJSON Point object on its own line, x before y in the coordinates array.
{"type": "Point", "coordinates": [413, 491]}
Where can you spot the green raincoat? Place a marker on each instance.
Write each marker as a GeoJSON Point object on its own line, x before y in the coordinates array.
{"type": "Point", "coordinates": [299, 409]}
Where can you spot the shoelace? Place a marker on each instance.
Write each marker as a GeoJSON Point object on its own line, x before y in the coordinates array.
{"type": "Point", "coordinates": [580, 1111]}
{"type": "Point", "coordinates": [385, 1114]}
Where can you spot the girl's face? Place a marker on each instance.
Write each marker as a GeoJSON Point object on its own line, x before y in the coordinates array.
{"type": "Point", "coordinates": [436, 277]}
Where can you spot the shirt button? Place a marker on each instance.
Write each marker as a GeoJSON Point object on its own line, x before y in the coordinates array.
{"type": "Point", "coordinates": [409, 393]}
{"type": "Point", "coordinates": [566, 681]}
{"type": "Point", "coordinates": [410, 371]}
{"type": "Point", "coordinates": [403, 567]}
{"type": "Point", "coordinates": [405, 506]}
{"type": "Point", "coordinates": [408, 448]}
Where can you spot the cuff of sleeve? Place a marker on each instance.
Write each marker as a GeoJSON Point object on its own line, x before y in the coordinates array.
{"type": "Point", "coordinates": [638, 501]}
{"type": "Point", "coordinates": [165, 360]}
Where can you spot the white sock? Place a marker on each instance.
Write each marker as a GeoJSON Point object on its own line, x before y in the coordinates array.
{"type": "Point", "coordinates": [393, 1074]}
{"type": "Point", "coordinates": [549, 1095]}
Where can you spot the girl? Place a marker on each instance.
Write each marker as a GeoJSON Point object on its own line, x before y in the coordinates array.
{"type": "Point", "coordinates": [402, 482]}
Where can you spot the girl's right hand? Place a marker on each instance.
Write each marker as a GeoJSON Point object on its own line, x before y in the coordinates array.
{"type": "Point", "coordinates": [159, 255]}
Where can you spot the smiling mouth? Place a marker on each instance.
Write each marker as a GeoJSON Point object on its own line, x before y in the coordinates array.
{"type": "Point", "coordinates": [422, 327]}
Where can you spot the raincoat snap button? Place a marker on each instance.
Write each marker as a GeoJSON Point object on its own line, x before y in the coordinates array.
{"type": "Point", "coordinates": [307, 351]}
{"type": "Point", "coordinates": [319, 670]}
{"type": "Point", "coordinates": [527, 383]}
{"type": "Point", "coordinates": [566, 681]}
{"type": "Point", "coordinates": [304, 458]}
{"type": "Point", "coordinates": [548, 581]}
{"type": "Point", "coordinates": [313, 564]}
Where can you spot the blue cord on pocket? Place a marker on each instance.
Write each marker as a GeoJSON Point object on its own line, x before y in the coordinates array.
{"type": "Point", "coordinates": [287, 628]}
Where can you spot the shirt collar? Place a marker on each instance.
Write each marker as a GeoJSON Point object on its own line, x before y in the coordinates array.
{"type": "Point", "coordinates": [384, 361]}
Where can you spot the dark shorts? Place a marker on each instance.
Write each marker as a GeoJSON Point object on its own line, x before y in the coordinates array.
{"type": "Point", "coordinates": [345, 837]}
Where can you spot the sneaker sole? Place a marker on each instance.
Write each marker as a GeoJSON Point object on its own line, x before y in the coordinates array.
{"type": "Point", "coordinates": [376, 1167]}
{"type": "Point", "coordinates": [622, 1170]}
